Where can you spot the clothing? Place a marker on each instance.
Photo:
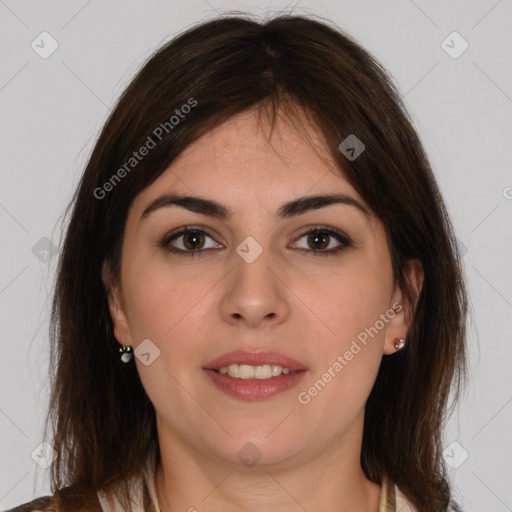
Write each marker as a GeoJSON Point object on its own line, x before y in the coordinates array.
{"type": "Point", "coordinates": [86, 500]}
{"type": "Point", "coordinates": [75, 499]}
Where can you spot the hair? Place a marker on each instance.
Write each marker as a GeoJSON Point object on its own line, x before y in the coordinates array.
{"type": "Point", "coordinates": [102, 419]}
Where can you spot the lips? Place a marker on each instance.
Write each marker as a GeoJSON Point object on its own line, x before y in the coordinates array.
{"type": "Point", "coordinates": [254, 389]}
{"type": "Point", "coordinates": [255, 359]}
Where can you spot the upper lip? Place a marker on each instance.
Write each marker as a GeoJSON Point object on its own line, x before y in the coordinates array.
{"type": "Point", "coordinates": [255, 359]}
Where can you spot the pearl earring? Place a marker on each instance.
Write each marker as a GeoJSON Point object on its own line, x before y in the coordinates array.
{"type": "Point", "coordinates": [399, 343]}
{"type": "Point", "coordinates": [126, 353]}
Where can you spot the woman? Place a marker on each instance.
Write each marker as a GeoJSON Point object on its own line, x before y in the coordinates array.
{"type": "Point", "coordinates": [259, 226]}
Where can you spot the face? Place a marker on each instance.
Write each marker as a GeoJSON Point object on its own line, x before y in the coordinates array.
{"type": "Point", "coordinates": [257, 280]}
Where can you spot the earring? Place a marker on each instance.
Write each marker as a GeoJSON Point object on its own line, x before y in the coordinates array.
{"type": "Point", "coordinates": [126, 353]}
{"type": "Point", "coordinates": [399, 343]}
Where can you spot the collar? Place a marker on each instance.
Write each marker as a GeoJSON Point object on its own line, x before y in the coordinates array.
{"type": "Point", "coordinates": [387, 501]}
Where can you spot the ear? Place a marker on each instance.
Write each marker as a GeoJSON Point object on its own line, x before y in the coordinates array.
{"type": "Point", "coordinates": [404, 308]}
{"type": "Point", "coordinates": [115, 306]}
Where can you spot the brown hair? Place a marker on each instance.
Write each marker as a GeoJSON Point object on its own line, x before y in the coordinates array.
{"type": "Point", "coordinates": [103, 421]}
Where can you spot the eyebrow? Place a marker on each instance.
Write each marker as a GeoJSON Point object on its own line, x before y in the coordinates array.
{"type": "Point", "coordinates": [212, 208]}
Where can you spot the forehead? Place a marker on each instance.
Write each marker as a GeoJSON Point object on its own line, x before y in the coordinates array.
{"type": "Point", "coordinates": [244, 162]}
{"type": "Point", "coordinates": [247, 141]}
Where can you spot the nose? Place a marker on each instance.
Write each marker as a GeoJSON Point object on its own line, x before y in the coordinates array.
{"type": "Point", "coordinates": [256, 293]}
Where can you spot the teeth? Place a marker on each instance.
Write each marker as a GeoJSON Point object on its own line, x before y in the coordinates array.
{"type": "Point", "coordinates": [245, 371]}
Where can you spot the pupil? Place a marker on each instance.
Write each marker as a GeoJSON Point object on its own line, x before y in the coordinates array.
{"type": "Point", "coordinates": [195, 237]}
{"type": "Point", "coordinates": [317, 237]}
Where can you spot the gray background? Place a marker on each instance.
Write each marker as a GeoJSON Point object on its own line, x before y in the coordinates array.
{"type": "Point", "coordinates": [53, 108]}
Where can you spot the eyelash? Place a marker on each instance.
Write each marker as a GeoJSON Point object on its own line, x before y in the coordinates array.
{"type": "Point", "coordinates": [331, 232]}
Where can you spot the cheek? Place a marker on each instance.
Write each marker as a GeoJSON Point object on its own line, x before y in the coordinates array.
{"type": "Point", "coordinates": [351, 308]}
{"type": "Point", "coordinates": [349, 301]}
{"type": "Point", "coordinates": [349, 350]}
{"type": "Point", "coordinates": [166, 305]}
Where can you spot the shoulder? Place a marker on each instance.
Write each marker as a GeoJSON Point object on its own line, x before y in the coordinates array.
{"type": "Point", "coordinates": [68, 499]}
{"type": "Point", "coordinates": [43, 504]}
{"type": "Point", "coordinates": [403, 505]}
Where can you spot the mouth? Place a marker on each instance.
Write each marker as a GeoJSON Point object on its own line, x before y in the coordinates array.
{"type": "Point", "coordinates": [254, 375]}
{"type": "Point", "coordinates": [260, 361]}
{"type": "Point", "coordinates": [260, 372]}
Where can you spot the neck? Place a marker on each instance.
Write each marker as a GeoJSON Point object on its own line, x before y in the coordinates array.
{"type": "Point", "coordinates": [189, 481]}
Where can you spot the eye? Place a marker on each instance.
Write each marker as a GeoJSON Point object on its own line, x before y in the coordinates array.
{"type": "Point", "coordinates": [191, 241]}
{"type": "Point", "coordinates": [318, 241]}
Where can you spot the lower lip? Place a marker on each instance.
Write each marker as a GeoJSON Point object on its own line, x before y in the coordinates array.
{"type": "Point", "coordinates": [254, 389]}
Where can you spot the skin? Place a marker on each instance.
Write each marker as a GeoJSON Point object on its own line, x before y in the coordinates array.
{"type": "Point", "coordinates": [197, 308]}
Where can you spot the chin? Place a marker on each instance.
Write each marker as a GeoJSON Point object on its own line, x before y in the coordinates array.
{"type": "Point", "coordinates": [270, 448]}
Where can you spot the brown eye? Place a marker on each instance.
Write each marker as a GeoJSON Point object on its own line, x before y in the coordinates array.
{"type": "Point", "coordinates": [193, 240]}
{"type": "Point", "coordinates": [188, 242]}
{"type": "Point", "coordinates": [319, 239]}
